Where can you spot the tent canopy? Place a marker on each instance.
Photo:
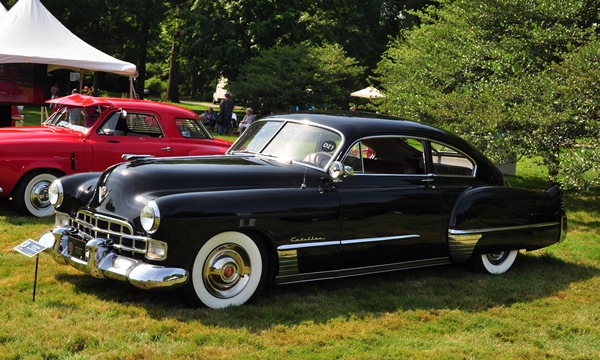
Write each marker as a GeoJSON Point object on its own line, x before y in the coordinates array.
{"type": "Point", "coordinates": [29, 33]}
{"type": "Point", "coordinates": [368, 93]}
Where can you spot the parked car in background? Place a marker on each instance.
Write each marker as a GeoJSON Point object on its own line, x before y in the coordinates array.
{"type": "Point", "coordinates": [90, 134]}
{"type": "Point", "coordinates": [299, 197]}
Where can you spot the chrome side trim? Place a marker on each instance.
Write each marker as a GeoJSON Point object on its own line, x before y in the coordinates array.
{"type": "Point", "coordinates": [405, 265]}
{"type": "Point", "coordinates": [563, 227]}
{"type": "Point", "coordinates": [345, 242]}
{"type": "Point", "coordinates": [461, 243]}
{"type": "Point", "coordinates": [461, 246]}
{"type": "Point", "coordinates": [307, 245]}
{"type": "Point", "coordinates": [385, 238]}
{"type": "Point", "coordinates": [504, 228]}
{"type": "Point", "coordinates": [288, 262]}
{"type": "Point", "coordinates": [333, 274]}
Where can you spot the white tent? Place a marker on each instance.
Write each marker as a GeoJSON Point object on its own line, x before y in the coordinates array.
{"type": "Point", "coordinates": [2, 10]}
{"type": "Point", "coordinates": [29, 33]}
{"type": "Point", "coordinates": [368, 93]}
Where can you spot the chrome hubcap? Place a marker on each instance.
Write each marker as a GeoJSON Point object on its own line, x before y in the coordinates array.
{"type": "Point", "coordinates": [38, 196]}
{"type": "Point", "coordinates": [226, 271]}
{"type": "Point", "coordinates": [497, 257]}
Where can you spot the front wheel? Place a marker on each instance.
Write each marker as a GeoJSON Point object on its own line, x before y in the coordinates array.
{"type": "Point", "coordinates": [495, 263]}
{"type": "Point", "coordinates": [228, 270]}
{"type": "Point", "coordinates": [31, 195]}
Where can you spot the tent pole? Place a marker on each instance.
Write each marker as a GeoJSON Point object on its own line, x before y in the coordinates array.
{"type": "Point", "coordinates": [81, 71]}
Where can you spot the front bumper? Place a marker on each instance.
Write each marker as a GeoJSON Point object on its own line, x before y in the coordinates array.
{"type": "Point", "coordinates": [102, 261]}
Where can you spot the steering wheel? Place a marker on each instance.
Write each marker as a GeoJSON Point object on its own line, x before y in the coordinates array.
{"type": "Point", "coordinates": [319, 158]}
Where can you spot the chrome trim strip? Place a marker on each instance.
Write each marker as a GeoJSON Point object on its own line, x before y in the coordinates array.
{"type": "Point", "coordinates": [345, 242]}
{"type": "Point", "coordinates": [461, 246]}
{"type": "Point", "coordinates": [288, 262]}
{"type": "Point", "coordinates": [563, 226]}
{"type": "Point", "coordinates": [375, 269]}
{"type": "Point", "coordinates": [369, 270]}
{"type": "Point", "coordinates": [384, 238]}
{"type": "Point", "coordinates": [504, 228]}
{"type": "Point", "coordinates": [307, 245]}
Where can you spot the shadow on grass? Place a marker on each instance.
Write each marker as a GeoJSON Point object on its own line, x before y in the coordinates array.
{"type": "Point", "coordinates": [447, 287]}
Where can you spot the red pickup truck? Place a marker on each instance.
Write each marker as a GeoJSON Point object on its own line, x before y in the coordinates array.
{"type": "Point", "coordinates": [87, 134]}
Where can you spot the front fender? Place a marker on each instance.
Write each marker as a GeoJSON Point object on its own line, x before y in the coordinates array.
{"type": "Point", "coordinates": [281, 214]}
{"type": "Point", "coordinates": [78, 189]}
{"type": "Point", "coordinates": [489, 219]}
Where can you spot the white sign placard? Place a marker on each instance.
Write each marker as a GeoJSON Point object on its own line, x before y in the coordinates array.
{"type": "Point", "coordinates": [30, 248]}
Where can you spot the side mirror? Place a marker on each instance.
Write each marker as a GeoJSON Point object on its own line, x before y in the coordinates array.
{"type": "Point", "coordinates": [338, 171]}
{"type": "Point", "coordinates": [123, 114]}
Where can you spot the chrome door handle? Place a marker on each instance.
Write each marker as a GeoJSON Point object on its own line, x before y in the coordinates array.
{"type": "Point", "coordinates": [168, 148]}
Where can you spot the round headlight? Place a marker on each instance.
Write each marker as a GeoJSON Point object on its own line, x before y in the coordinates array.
{"type": "Point", "coordinates": [55, 193]}
{"type": "Point", "coordinates": [150, 217]}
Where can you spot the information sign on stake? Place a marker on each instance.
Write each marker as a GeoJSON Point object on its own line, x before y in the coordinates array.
{"type": "Point", "coordinates": [31, 248]}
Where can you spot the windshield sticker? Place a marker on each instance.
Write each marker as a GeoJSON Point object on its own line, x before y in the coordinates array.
{"type": "Point", "coordinates": [328, 146]}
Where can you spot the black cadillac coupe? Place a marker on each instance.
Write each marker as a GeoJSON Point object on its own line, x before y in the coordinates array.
{"type": "Point", "coordinates": [298, 197]}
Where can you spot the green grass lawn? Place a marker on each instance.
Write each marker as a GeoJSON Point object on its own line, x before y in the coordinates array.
{"type": "Point", "coordinates": [546, 306]}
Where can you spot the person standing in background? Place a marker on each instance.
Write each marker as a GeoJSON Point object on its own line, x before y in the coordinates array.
{"type": "Point", "coordinates": [54, 91]}
{"type": "Point", "coordinates": [225, 112]}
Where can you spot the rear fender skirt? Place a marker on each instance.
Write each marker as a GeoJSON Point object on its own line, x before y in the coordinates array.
{"type": "Point", "coordinates": [491, 219]}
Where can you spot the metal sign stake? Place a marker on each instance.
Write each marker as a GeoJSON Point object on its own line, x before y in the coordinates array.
{"type": "Point", "coordinates": [31, 248]}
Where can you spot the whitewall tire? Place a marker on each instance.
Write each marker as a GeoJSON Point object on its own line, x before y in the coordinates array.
{"type": "Point", "coordinates": [31, 195]}
{"type": "Point", "coordinates": [497, 262]}
{"type": "Point", "coordinates": [228, 270]}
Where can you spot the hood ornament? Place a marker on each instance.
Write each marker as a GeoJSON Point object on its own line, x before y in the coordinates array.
{"type": "Point", "coordinates": [102, 194]}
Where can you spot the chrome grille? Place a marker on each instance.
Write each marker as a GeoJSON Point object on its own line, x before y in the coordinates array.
{"type": "Point", "coordinates": [104, 227]}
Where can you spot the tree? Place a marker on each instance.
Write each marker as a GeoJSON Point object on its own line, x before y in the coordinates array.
{"type": "Point", "coordinates": [483, 70]}
{"type": "Point", "coordinates": [297, 75]}
{"type": "Point", "coordinates": [220, 37]}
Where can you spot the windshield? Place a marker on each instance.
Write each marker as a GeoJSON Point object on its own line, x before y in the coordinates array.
{"type": "Point", "coordinates": [74, 117]}
{"type": "Point", "coordinates": [290, 142]}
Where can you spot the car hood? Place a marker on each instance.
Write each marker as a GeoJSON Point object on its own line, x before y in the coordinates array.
{"type": "Point", "coordinates": [128, 186]}
{"type": "Point", "coordinates": [28, 132]}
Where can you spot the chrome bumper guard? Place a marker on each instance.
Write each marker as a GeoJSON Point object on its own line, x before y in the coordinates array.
{"type": "Point", "coordinates": [103, 262]}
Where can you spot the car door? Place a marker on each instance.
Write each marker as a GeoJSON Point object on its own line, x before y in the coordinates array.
{"type": "Point", "coordinates": [133, 132]}
{"type": "Point", "coordinates": [453, 173]}
{"type": "Point", "coordinates": [391, 208]}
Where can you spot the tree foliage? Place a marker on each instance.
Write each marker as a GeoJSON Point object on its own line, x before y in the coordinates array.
{"type": "Point", "coordinates": [497, 73]}
{"type": "Point", "coordinates": [297, 75]}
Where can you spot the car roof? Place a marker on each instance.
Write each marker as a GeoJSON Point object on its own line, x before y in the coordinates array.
{"type": "Point", "coordinates": [84, 100]}
{"type": "Point", "coordinates": [360, 124]}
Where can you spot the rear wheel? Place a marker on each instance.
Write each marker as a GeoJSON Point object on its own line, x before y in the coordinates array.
{"type": "Point", "coordinates": [31, 195]}
{"type": "Point", "coordinates": [495, 263]}
{"type": "Point", "coordinates": [229, 269]}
